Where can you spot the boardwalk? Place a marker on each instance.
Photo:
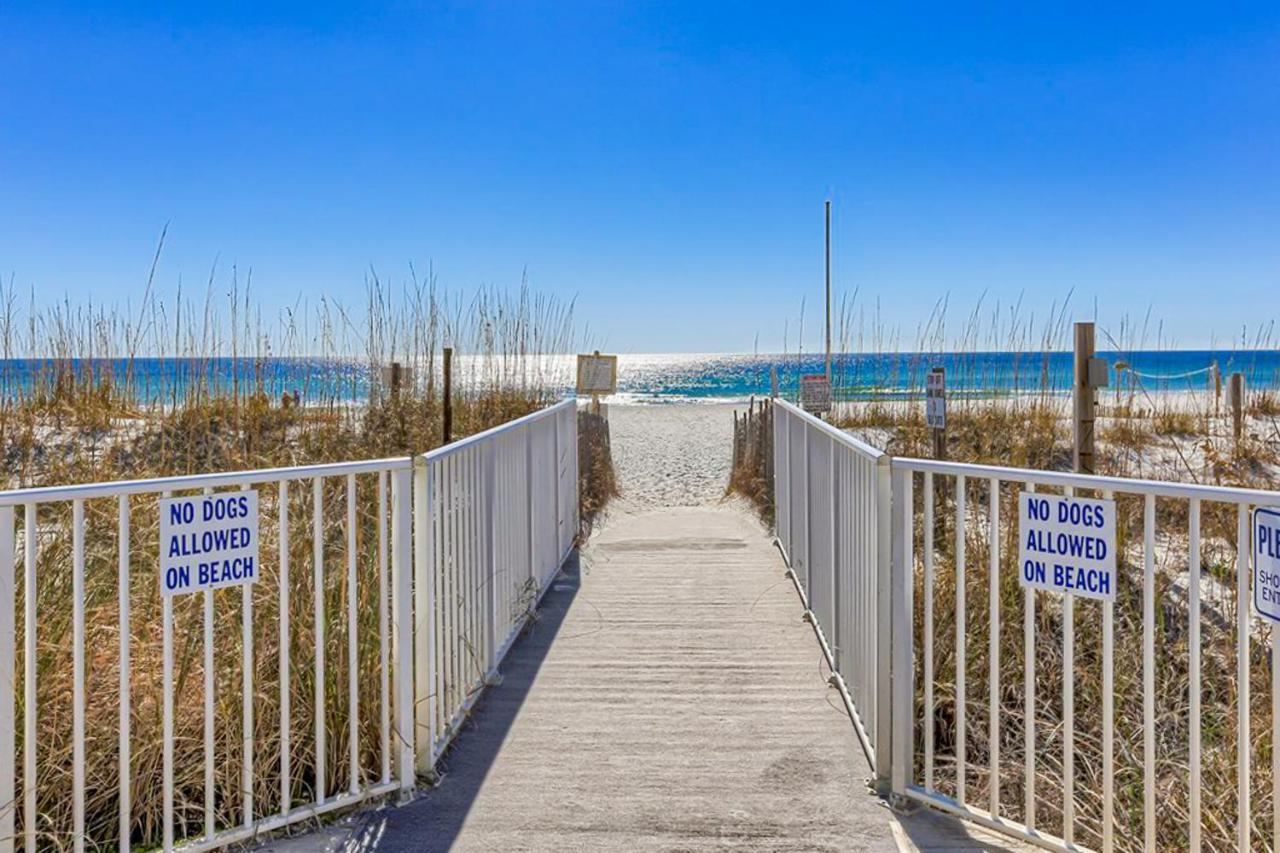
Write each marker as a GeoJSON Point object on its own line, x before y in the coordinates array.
{"type": "Point", "coordinates": [669, 698]}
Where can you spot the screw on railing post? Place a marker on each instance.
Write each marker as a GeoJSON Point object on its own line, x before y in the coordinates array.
{"type": "Point", "coordinates": [402, 629]}
{"type": "Point", "coordinates": [424, 624]}
{"type": "Point", "coordinates": [903, 561]}
{"type": "Point", "coordinates": [8, 673]}
{"type": "Point", "coordinates": [490, 558]}
{"type": "Point", "coordinates": [884, 627]}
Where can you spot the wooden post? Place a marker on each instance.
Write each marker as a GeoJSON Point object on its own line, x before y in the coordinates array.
{"type": "Point", "coordinates": [1085, 399]}
{"type": "Point", "coordinates": [448, 395]}
{"type": "Point", "coordinates": [938, 432]}
{"type": "Point", "coordinates": [1237, 406]}
{"type": "Point", "coordinates": [1217, 388]}
{"type": "Point", "coordinates": [396, 379]}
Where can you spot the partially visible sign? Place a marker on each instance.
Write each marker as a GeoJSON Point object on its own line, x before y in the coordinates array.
{"type": "Point", "coordinates": [597, 374]}
{"type": "Point", "coordinates": [208, 541]}
{"type": "Point", "coordinates": [1067, 544]}
{"type": "Point", "coordinates": [815, 393]}
{"type": "Point", "coordinates": [1266, 563]}
{"type": "Point", "coordinates": [935, 399]}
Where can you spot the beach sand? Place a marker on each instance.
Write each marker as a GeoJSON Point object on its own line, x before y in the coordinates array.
{"type": "Point", "coordinates": [671, 455]}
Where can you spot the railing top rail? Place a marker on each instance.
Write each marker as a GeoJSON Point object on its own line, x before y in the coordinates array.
{"type": "Point", "coordinates": [88, 491]}
{"type": "Point", "coordinates": [464, 443]}
{"type": "Point", "coordinates": [1159, 488]}
{"type": "Point", "coordinates": [861, 447]}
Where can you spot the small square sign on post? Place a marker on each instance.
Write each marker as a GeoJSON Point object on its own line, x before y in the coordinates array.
{"type": "Point", "coordinates": [935, 399]}
{"type": "Point", "coordinates": [597, 374]}
{"type": "Point", "coordinates": [1266, 563]}
{"type": "Point", "coordinates": [815, 393]}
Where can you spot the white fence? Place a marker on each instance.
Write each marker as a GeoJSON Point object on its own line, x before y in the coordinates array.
{"type": "Point", "coordinates": [831, 492]}
{"type": "Point", "coordinates": [499, 515]}
{"type": "Point", "coordinates": [1022, 742]}
{"type": "Point", "coordinates": [322, 646]}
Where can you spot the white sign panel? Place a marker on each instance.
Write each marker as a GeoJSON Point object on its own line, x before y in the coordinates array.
{"type": "Point", "coordinates": [1067, 544]}
{"type": "Point", "coordinates": [208, 541]}
{"type": "Point", "coordinates": [815, 393]}
{"type": "Point", "coordinates": [935, 400]}
{"type": "Point", "coordinates": [1266, 563]}
{"type": "Point", "coordinates": [597, 374]}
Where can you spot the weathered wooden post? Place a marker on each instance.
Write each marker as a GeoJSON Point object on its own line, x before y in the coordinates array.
{"type": "Point", "coordinates": [935, 409]}
{"type": "Point", "coordinates": [448, 395]}
{"type": "Point", "coordinates": [1085, 398]}
{"type": "Point", "coordinates": [1237, 406]}
{"type": "Point", "coordinates": [396, 379]}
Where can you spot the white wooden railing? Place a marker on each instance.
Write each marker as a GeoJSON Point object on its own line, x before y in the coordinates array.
{"type": "Point", "coordinates": [493, 516]}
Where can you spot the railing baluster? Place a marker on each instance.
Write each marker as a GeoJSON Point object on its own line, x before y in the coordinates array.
{"type": "Point", "coordinates": [8, 675]}
{"type": "Point", "coordinates": [960, 639]}
{"type": "Point", "coordinates": [1108, 720]}
{"type": "Point", "coordinates": [286, 783]}
{"type": "Point", "coordinates": [246, 695]}
{"type": "Point", "coordinates": [1193, 669]}
{"type": "Point", "coordinates": [928, 629]}
{"type": "Point", "coordinates": [1029, 700]}
{"type": "Point", "coordinates": [1243, 615]}
{"type": "Point", "coordinates": [317, 572]}
{"type": "Point", "coordinates": [166, 618]}
{"type": "Point", "coordinates": [122, 556]}
{"type": "Point", "coordinates": [353, 697]}
{"type": "Point", "coordinates": [209, 827]}
{"type": "Point", "coordinates": [31, 539]}
{"type": "Point", "coordinates": [384, 663]}
{"type": "Point", "coordinates": [993, 649]}
{"type": "Point", "coordinates": [77, 707]}
{"type": "Point", "coordinates": [1149, 671]}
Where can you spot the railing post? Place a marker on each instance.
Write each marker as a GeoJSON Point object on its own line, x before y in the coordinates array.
{"type": "Point", "coordinates": [490, 559]}
{"type": "Point", "coordinates": [884, 621]}
{"type": "Point", "coordinates": [8, 671]}
{"type": "Point", "coordinates": [424, 623]}
{"type": "Point", "coordinates": [902, 634]}
{"type": "Point", "coordinates": [402, 627]}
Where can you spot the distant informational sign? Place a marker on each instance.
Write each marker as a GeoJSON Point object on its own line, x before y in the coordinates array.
{"type": "Point", "coordinates": [815, 393]}
{"type": "Point", "coordinates": [1266, 563]}
{"type": "Point", "coordinates": [208, 541]}
{"type": "Point", "coordinates": [597, 374]}
{"type": "Point", "coordinates": [1067, 544]}
{"type": "Point", "coordinates": [935, 399]}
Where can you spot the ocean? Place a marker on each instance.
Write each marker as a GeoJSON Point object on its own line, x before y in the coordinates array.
{"type": "Point", "coordinates": [683, 377]}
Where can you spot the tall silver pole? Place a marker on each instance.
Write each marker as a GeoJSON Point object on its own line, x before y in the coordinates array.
{"type": "Point", "coordinates": [827, 206]}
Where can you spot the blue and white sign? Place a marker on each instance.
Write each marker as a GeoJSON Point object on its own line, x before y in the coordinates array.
{"type": "Point", "coordinates": [1266, 563]}
{"type": "Point", "coordinates": [208, 541]}
{"type": "Point", "coordinates": [1067, 544]}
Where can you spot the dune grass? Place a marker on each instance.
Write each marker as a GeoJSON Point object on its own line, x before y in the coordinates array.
{"type": "Point", "coordinates": [88, 405]}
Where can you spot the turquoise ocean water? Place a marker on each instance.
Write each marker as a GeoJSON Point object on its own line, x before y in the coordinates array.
{"type": "Point", "coordinates": [693, 377]}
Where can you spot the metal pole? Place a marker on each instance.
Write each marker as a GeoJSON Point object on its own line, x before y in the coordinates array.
{"type": "Point", "coordinates": [827, 207]}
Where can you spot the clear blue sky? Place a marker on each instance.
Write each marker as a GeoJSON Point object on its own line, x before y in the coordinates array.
{"type": "Point", "coordinates": [664, 162]}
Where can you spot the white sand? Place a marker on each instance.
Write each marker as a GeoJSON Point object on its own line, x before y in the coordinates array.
{"type": "Point", "coordinates": [671, 455]}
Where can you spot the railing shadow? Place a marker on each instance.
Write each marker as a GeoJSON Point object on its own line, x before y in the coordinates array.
{"type": "Point", "coordinates": [433, 821]}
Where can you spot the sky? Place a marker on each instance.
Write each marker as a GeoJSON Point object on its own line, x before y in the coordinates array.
{"type": "Point", "coordinates": [663, 164]}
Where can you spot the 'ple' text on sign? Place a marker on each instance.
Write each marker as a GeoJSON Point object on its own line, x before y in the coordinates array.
{"type": "Point", "coordinates": [1266, 562]}
{"type": "Point", "coordinates": [1067, 544]}
{"type": "Point", "coordinates": [208, 541]}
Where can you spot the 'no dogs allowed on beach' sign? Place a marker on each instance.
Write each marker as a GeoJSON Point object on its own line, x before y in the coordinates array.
{"type": "Point", "coordinates": [1067, 544]}
{"type": "Point", "coordinates": [208, 541]}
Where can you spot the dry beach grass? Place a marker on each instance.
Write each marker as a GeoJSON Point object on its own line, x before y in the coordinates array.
{"type": "Point", "coordinates": [91, 413]}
